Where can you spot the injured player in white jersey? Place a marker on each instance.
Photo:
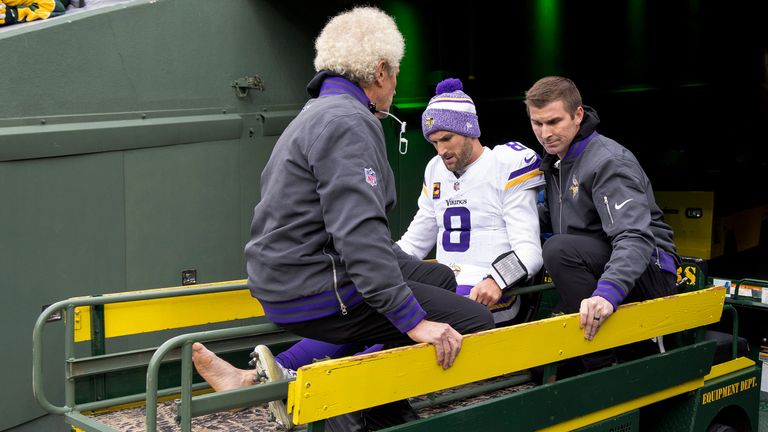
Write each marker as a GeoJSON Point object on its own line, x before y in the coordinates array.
{"type": "Point", "coordinates": [478, 206]}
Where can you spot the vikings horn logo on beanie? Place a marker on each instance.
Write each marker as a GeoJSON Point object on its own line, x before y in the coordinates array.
{"type": "Point", "coordinates": [450, 110]}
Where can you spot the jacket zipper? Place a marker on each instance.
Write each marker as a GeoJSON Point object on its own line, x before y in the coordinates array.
{"type": "Point", "coordinates": [560, 200]}
{"type": "Point", "coordinates": [342, 306]}
{"type": "Point", "coordinates": [607, 207]}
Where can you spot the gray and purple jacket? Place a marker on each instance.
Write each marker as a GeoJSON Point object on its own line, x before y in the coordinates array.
{"type": "Point", "coordinates": [320, 242]}
{"type": "Point", "coordinates": [601, 191]}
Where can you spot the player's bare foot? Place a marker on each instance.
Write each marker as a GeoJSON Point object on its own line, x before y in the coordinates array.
{"type": "Point", "coordinates": [218, 373]}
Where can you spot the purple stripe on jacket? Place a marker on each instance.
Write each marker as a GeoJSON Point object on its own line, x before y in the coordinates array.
{"type": "Point", "coordinates": [311, 307]}
{"type": "Point", "coordinates": [665, 260]}
{"type": "Point", "coordinates": [339, 85]}
{"type": "Point", "coordinates": [575, 149]}
{"type": "Point", "coordinates": [610, 291]}
{"type": "Point", "coordinates": [407, 315]}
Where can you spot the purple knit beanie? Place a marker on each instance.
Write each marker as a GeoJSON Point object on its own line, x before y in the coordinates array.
{"type": "Point", "coordinates": [450, 110]}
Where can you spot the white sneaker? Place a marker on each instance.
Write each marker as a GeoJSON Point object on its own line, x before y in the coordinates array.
{"type": "Point", "coordinates": [270, 370]}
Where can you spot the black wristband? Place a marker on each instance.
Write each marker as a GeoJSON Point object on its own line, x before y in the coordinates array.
{"type": "Point", "coordinates": [507, 270]}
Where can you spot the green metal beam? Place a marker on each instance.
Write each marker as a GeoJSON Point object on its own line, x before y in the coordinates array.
{"type": "Point", "coordinates": [52, 140]}
{"type": "Point", "coordinates": [125, 360]}
{"type": "Point", "coordinates": [238, 398]}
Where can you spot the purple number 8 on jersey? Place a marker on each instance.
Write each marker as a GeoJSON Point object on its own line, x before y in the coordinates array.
{"type": "Point", "coordinates": [514, 145]}
{"type": "Point", "coordinates": [463, 227]}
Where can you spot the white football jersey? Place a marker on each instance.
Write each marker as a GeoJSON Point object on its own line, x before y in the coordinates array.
{"type": "Point", "coordinates": [489, 210]}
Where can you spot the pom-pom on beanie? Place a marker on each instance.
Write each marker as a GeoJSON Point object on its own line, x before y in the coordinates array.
{"type": "Point", "coordinates": [450, 110]}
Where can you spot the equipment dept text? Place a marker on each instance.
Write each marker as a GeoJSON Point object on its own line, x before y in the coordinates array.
{"type": "Point", "coordinates": [729, 390]}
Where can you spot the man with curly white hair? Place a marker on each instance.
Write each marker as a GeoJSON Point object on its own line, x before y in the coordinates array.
{"type": "Point", "coordinates": [321, 259]}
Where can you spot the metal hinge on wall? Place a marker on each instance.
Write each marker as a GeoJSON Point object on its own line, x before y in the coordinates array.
{"type": "Point", "coordinates": [244, 84]}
